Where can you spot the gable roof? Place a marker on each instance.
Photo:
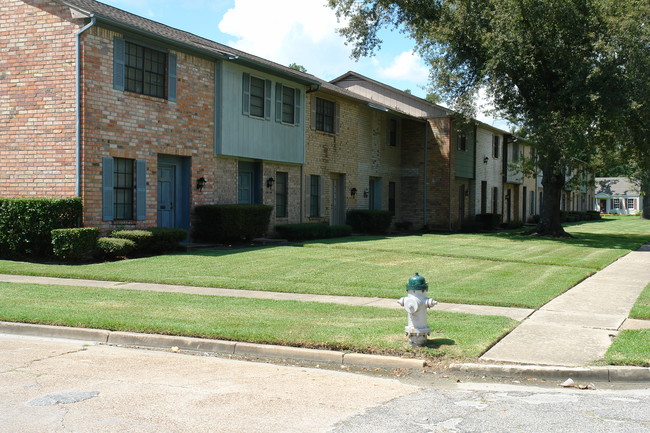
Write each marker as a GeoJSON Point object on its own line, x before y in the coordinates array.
{"type": "Point", "coordinates": [122, 20]}
{"type": "Point", "coordinates": [616, 186]}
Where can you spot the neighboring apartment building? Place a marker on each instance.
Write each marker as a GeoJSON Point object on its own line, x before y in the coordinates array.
{"type": "Point", "coordinates": [144, 122]}
{"type": "Point", "coordinates": [141, 120]}
{"type": "Point", "coordinates": [618, 195]}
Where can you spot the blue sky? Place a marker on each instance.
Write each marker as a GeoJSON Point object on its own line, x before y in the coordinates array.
{"type": "Point", "coordinates": [288, 31]}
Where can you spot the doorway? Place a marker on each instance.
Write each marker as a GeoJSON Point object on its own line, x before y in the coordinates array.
{"type": "Point", "coordinates": [173, 192]}
{"type": "Point", "coordinates": [337, 199]}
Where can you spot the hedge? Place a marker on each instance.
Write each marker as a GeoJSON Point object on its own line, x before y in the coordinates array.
{"type": "Point", "coordinates": [369, 221]}
{"type": "Point", "coordinates": [166, 239]}
{"type": "Point", "coordinates": [74, 244]}
{"type": "Point", "coordinates": [217, 223]}
{"type": "Point", "coordinates": [114, 248]}
{"type": "Point", "coordinates": [26, 224]}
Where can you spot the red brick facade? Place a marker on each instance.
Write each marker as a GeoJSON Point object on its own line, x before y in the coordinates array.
{"type": "Point", "coordinates": [37, 99]}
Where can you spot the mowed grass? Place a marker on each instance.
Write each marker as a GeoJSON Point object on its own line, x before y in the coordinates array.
{"type": "Point", "coordinates": [292, 323]}
{"type": "Point", "coordinates": [630, 348]}
{"type": "Point", "coordinates": [641, 309]}
{"type": "Point", "coordinates": [505, 269]}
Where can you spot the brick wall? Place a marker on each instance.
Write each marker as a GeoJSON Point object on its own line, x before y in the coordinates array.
{"type": "Point", "coordinates": [128, 125]}
{"type": "Point", "coordinates": [359, 151]}
{"type": "Point", "coordinates": [37, 99]}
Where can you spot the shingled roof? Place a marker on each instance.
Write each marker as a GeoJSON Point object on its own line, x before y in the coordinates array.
{"type": "Point", "coordinates": [111, 16]}
{"type": "Point", "coordinates": [616, 186]}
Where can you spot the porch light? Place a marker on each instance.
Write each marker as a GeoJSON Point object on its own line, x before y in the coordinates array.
{"type": "Point", "coordinates": [485, 160]}
{"type": "Point", "coordinates": [200, 183]}
{"type": "Point", "coordinates": [353, 192]}
{"type": "Point", "coordinates": [269, 182]}
{"type": "Point", "coordinates": [365, 193]}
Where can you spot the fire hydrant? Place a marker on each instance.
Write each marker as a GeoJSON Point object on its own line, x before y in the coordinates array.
{"type": "Point", "coordinates": [416, 304]}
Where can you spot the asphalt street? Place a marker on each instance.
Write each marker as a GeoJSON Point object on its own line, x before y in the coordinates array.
{"type": "Point", "coordinates": [54, 385]}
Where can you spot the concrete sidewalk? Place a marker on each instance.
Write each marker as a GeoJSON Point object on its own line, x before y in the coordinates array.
{"type": "Point", "coordinates": [518, 314]}
{"type": "Point", "coordinates": [577, 327]}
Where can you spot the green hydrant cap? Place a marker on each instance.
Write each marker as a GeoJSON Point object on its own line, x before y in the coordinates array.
{"type": "Point", "coordinates": [417, 282]}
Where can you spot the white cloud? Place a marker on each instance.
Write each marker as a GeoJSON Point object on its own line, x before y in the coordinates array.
{"type": "Point", "coordinates": [407, 66]}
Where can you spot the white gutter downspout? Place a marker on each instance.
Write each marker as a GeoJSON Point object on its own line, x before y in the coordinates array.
{"type": "Point", "coordinates": [78, 105]}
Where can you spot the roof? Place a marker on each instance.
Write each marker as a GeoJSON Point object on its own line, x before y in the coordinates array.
{"type": "Point", "coordinates": [616, 186]}
{"type": "Point", "coordinates": [111, 16]}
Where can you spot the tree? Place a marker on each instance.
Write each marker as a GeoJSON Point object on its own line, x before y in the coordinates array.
{"type": "Point", "coordinates": [549, 66]}
{"type": "Point", "coordinates": [298, 67]}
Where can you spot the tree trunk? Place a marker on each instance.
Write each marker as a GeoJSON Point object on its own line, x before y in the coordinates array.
{"type": "Point", "coordinates": [645, 189]}
{"type": "Point", "coordinates": [549, 218]}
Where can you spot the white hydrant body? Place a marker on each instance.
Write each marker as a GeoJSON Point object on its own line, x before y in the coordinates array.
{"type": "Point", "coordinates": [416, 304]}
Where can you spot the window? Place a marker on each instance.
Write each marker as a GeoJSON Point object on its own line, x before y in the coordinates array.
{"type": "Point", "coordinates": [392, 132]}
{"type": "Point", "coordinates": [325, 115]}
{"type": "Point", "coordinates": [123, 189]}
{"type": "Point", "coordinates": [257, 97]}
{"type": "Point", "coordinates": [515, 152]}
{"type": "Point", "coordinates": [495, 146]}
{"type": "Point", "coordinates": [143, 70]}
{"type": "Point", "coordinates": [495, 200]}
{"type": "Point", "coordinates": [314, 196]}
{"type": "Point", "coordinates": [391, 198]}
{"type": "Point", "coordinates": [630, 203]}
{"type": "Point", "coordinates": [462, 141]}
{"type": "Point", "coordinates": [616, 203]}
{"type": "Point", "coordinates": [374, 193]}
{"type": "Point", "coordinates": [281, 194]}
{"type": "Point", "coordinates": [288, 104]}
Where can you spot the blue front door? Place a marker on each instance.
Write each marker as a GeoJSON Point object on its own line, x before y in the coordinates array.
{"type": "Point", "coordinates": [166, 195]}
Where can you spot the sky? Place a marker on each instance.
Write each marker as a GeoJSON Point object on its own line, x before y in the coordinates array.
{"type": "Point", "coordinates": [290, 31]}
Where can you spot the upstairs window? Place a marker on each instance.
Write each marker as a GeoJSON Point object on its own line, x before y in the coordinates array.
{"type": "Point", "coordinates": [496, 144]}
{"type": "Point", "coordinates": [392, 132]}
{"type": "Point", "coordinates": [287, 104]}
{"type": "Point", "coordinates": [256, 96]}
{"type": "Point", "coordinates": [143, 70]}
{"type": "Point", "coordinates": [325, 115]}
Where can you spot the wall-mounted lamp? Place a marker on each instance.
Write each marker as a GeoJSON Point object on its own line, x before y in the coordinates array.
{"type": "Point", "coordinates": [200, 183]}
{"type": "Point", "coordinates": [466, 193]}
{"type": "Point", "coordinates": [269, 182]}
{"type": "Point", "coordinates": [365, 193]}
{"type": "Point", "coordinates": [485, 160]}
{"type": "Point", "coordinates": [353, 192]}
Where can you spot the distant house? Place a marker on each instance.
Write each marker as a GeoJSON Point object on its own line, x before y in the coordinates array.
{"type": "Point", "coordinates": [618, 195]}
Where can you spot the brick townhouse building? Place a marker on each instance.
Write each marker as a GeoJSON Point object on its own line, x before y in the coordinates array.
{"type": "Point", "coordinates": [144, 122]}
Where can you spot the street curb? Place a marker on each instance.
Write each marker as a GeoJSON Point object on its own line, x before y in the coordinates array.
{"type": "Point", "coordinates": [205, 345]}
{"type": "Point", "coordinates": [602, 374]}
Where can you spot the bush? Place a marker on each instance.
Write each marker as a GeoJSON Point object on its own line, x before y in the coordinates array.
{"type": "Point", "coordinates": [166, 239]}
{"type": "Point", "coordinates": [489, 221]}
{"type": "Point", "coordinates": [74, 244]}
{"type": "Point", "coordinates": [143, 239]}
{"type": "Point", "coordinates": [305, 231]}
{"type": "Point", "coordinates": [593, 215]}
{"type": "Point", "coordinates": [369, 221]}
{"type": "Point", "coordinates": [403, 226]}
{"type": "Point", "coordinates": [472, 226]}
{"type": "Point", "coordinates": [535, 219]}
{"type": "Point", "coordinates": [511, 225]}
{"type": "Point", "coordinates": [113, 248]}
{"type": "Point", "coordinates": [26, 224]}
{"type": "Point", "coordinates": [216, 223]}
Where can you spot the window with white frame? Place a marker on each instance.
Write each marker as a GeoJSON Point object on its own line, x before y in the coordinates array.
{"type": "Point", "coordinates": [314, 196]}
{"type": "Point", "coordinates": [616, 203]}
{"type": "Point", "coordinates": [630, 203]}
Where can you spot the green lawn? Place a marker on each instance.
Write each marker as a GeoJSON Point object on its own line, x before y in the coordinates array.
{"type": "Point", "coordinates": [630, 348]}
{"type": "Point", "coordinates": [505, 269]}
{"type": "Point", "coordinates": [292, 323]}
{"type": "Point", "coordinates": [641, 309]}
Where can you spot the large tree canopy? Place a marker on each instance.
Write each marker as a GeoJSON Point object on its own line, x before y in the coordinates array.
{"type": "Point", "coordinates": [573, 73]}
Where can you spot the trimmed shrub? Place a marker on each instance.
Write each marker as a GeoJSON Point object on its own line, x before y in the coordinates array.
{"type": "Point", "coordinates": [143, 239]}
{"type": "Point", "coordinates": [74, 244]}
{"type": "Point", "coordinates": [472, 226]}
{"type": "Point", "coordinates": [535, 219]}
{"type": "Point", "coordinates": [216, 223]}
{"type": "Point", "coordinates": [26, 224]}
{"type": "Point", "coordinates": [510, 225]}
{"type": "Point", "coordinates": [489, 221]}
{"type": "Point", "coordinates": [166, 239]}
{"type": "Point", "coordinates": [113, 248]}
{"type": "Point", "coordinates": [305, 231]}
{"type": "Point", "coordinates": [593, 215]}
{"type": "Point", "coordinates": [369, 220]}
{"type": "Point", "coordinates": [403, 226]}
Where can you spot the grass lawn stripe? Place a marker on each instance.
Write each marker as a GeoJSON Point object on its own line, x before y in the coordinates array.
{"type": "Point", "coordinates": [293, 323]}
